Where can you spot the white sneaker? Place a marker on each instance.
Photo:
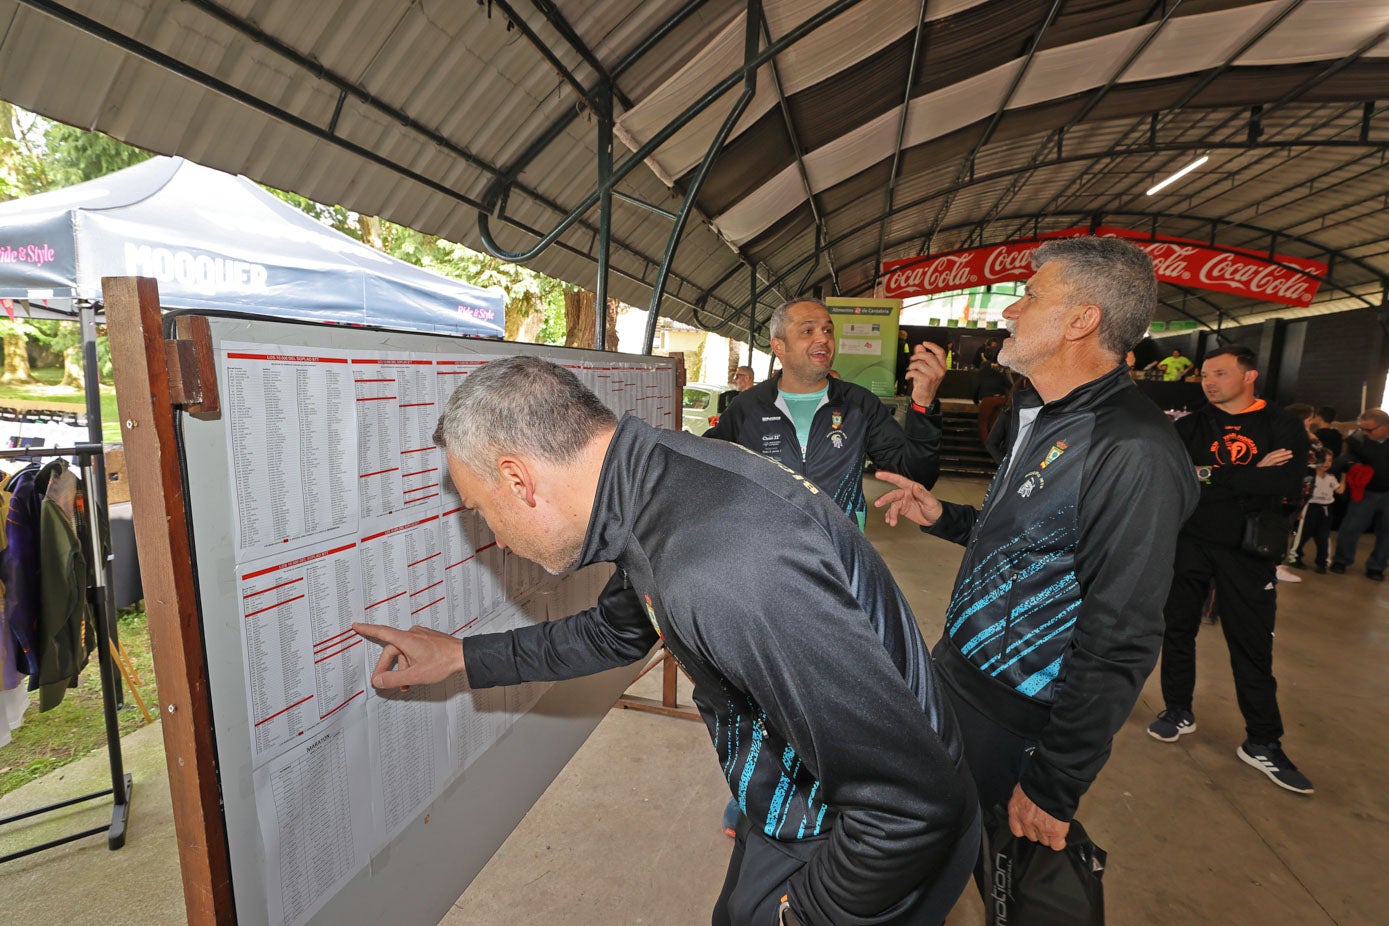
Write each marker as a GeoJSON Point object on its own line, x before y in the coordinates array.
{"type": "Point", "coordinates": [1284, 574]}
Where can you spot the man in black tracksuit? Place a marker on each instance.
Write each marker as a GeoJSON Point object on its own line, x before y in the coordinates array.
{"type": "Point", "coordinates": [1055, 620]}
{"type": "Point", "coordinates": [829, 722]}
{"type": "Point", "coordinates": [1249, 456]}
{"type": "Point", "coordinates": [822, 427]}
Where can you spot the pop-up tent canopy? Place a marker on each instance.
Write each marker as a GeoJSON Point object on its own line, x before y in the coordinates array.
{"type": "Point", "coordinates": [217, 241]}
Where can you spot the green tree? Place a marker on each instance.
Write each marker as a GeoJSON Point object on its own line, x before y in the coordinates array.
{"type": "Point", "coordinates": [16, 336]}
{"type": "Point", "coordinates": [74, 156]}
{"type": "Point", "coordinates": [22, 169]}
{"type": "Point", "coordinates": [37, 155]}
{"type": "Point", "coordinates": [63, 338]}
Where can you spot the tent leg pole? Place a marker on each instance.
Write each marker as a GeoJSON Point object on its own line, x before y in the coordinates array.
{"type": "Point", "coordinates": [605, 211]}
{"type": "Point", "coordinates": [96, 491]}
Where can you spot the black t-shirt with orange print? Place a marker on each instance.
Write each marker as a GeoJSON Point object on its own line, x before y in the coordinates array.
{"type": "Point", "coordinates": [1233, 445]}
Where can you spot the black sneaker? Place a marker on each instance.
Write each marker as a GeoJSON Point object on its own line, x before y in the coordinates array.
{"type": "Point", "coordinates": [1298, 564]}
{"type": "Point", "coordinates": [1171, 724]}
{"type": "Point", "coordinates": [1270, 759]}
{"type": "Point", "coordinates": [1377, 575]}
{"type": "Point", "coordinates": [1338, 568]}
{"type": "Point", "coordinates": [1321, 569]}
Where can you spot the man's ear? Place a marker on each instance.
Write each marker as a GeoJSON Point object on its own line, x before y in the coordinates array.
{"type": "Point", "coordinates": [1083, 322]}
{"type": "Point", "coordinates": [517, 476]}
{"type": "Point", "coordinates": [778, 347]}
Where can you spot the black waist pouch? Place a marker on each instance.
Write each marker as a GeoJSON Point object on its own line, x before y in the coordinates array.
{"type": "Point", "coordinates": [1265, 535]}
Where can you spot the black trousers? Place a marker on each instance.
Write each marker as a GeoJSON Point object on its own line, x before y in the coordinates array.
{"type": "Point", "coordinates": [1316, 526]}
{"type": "Point", "coordinates": [996, 758]}
{"type": "Point", "coordinates": [761, 867]}
{"type": "Point", "coordinates": [1246, 600]}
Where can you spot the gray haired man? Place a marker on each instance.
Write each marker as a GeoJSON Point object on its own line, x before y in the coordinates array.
{"type": "Point", "coordinates": [1056, 616]}
{"type": "Point", "coordinates": [827, 717]}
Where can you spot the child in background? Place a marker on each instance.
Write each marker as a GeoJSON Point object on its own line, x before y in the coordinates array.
{"type": "Point", "coordinates": [1316, 520]}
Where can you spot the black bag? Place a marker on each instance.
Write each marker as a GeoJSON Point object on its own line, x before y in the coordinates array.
{"type": "Point", "coordinates": [1030, 884]}
{"type": "Point", "coordinates": [1265, 535]}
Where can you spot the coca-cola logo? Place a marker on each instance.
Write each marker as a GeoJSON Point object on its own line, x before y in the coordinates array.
{"type": "Point", "coordinates": [949, 272]}
{"type": "Point", "coordinates": [1258, 278]}
{"type": "Point", "coordinates": [1288, 280]}
{"type": "Point", "coordinates": [1170, 260]}
{"type": "Point", "coordinates": [1006, 260]}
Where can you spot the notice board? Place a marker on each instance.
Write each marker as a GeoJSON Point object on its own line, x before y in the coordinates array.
{"type": "Point", "coordinates": [312, 495]}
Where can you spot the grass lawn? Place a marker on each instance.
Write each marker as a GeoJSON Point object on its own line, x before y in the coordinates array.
{"type": "Point", "coordinates": [48, 390]}
{"type": "Point", "coordinates": [77, 727]}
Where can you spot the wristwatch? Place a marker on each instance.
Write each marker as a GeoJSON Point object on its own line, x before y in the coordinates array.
{"type": "Point", "coordinates": [1203, 473]}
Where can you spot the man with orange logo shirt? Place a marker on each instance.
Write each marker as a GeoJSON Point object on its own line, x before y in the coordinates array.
{"type": "Point", "coordinates": [1249, 455]}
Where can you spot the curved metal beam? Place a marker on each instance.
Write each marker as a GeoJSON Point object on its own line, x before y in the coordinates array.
{"type": "Point", "coordinates": [496, 195]}
{"type": "Point", "coordinates": [1291, 96]}
{"type": "Point", "coordinates": [1055, 135]}
{"type": "Point", "coordinates": [902, 128]}
{"type": "Point", "coordinates": [967, 165]}
{"type": "Point", "coordinates": [715, 148]}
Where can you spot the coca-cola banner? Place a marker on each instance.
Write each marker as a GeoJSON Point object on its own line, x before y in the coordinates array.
{"type": "Point", "coordinates": [1286, 280]}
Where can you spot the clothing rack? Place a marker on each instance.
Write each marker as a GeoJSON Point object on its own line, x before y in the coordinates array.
{"type": "Point", "coordinates": [97, 594]}
{"type": "Point", "coordinates": [100, 595]}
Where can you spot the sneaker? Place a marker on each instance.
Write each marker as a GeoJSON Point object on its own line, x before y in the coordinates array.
{"type": "Point", "coordinates": [1377, 575]}
{"type": "Point", "coordinates": [1338, 568]}
{"type": "Point", "coordinates": [1270, 759]}
{"type": "Point", "coordinates": [1171, 724]}
{"type": "Point", "coordinates": [1298, 564]}
{"type": "Point", "coordinates": [1284, 574]}
{"type": "Point", "coordinates": [1321, 569]}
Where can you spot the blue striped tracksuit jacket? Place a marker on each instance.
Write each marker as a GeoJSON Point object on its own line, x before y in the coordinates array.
{"type": "Point", "coordinates": [1056, 619]}
{"type": "Point", "coordinates": [829, 720]}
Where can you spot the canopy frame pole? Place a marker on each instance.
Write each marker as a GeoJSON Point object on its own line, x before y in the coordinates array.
{"type": "Point", "coordinates": [496, 196]}
{"type": "Point", "coordinates": [752, 314]}
{"type": "Point", "coordinates": [605, 213]}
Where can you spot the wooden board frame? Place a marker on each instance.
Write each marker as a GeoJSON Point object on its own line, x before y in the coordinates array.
{"type": "Point", "coordinates": [159, 380]}
{"type": "Point", "coordinates": [138, 356]}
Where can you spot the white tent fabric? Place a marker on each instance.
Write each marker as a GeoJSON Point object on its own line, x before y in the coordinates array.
{"type": "Point", "coordinates": [217, 241]}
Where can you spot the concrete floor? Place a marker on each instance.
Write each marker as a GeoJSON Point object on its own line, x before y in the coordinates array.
{"type": "Point", "coordinates": [628, 833]}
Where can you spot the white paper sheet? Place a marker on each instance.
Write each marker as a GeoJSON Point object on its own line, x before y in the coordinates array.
{"type": "Point", "coordinates": [289, 440]}
{"type": "Point", "coordinates": [303, 662]}
{"type": "Point", "coordinates": [409, 757]}
{"type": "Point", "coordinates": [314, 808]}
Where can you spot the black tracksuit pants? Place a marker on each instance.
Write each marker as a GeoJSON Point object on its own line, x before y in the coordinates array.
{"type": "Point", "coordinates": [1316, 527]}
{"type": "Point", "coordinates": [1246, 601]}
{"type": "Point", "coordinates": [761, 868]}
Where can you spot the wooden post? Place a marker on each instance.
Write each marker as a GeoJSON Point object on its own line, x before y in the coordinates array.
{"type": "Point", "coordinates": [669, 703]}
{"type": "Point", "coordinates": [138, 356]}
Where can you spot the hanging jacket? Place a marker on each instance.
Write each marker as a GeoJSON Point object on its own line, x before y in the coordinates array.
{"type": "Point", "coordinates": [10, 676]}
{"type": "Point", "coordinates": [66, 635]}
{"type": "Point", "coordinates": [19, 569]}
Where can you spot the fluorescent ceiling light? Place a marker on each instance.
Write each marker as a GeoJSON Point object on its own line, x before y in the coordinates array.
{"type": "Point", "coordinates": [1178, 175]}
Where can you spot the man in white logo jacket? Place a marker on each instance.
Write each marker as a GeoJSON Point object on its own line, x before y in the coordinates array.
{"type": "Point", "coordinates": [822, 427]}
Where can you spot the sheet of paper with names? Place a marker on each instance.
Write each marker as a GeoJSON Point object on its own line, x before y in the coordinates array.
{"type": "Point", "coordinates": [343, 511]}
